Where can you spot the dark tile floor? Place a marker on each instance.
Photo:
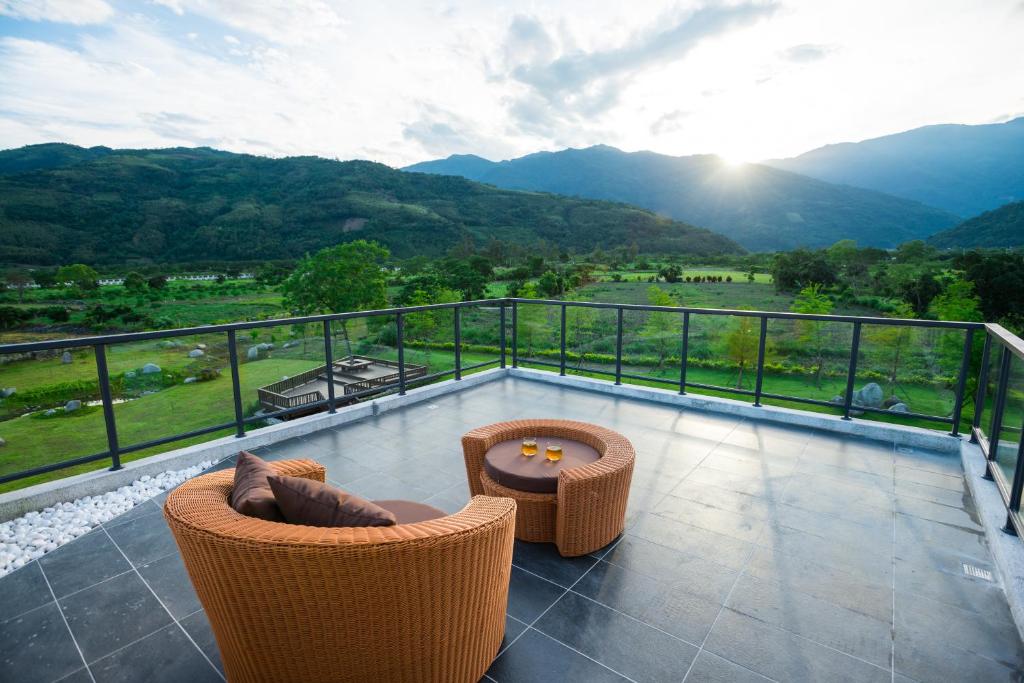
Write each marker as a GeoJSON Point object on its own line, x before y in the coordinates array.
{"type": "Point", "coordinates": [753, 552]}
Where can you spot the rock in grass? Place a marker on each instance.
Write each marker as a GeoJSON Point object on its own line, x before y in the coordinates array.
{"type": "Point", "coordinates": [66, 358]}
{"type": "Point", "coordinates": [150, 369]}
{"type": "Point", "coordinates": [8, 391]}
{"type": "Point", "coordinates": [190, 380]}
{"type": "Point", "coordinates": [72, 405]}
{"type": "Point", "coordinates": [196, 353]}
{"type": "Point", "coordinates": [899, 408]}
{"type": "Point", "coordinates": [3, 442]}
{"type": "Point", "coordinates": [870, 396]}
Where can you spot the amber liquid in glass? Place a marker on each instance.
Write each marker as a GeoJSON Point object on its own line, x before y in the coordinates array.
{"type": "Point", "coordinates": [553, 452]}
{"type": "Point", "coordinates": [529, 447]}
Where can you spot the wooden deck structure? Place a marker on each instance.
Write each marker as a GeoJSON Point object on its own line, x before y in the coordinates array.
{"type": "Point", "coordinates": [351, 375]}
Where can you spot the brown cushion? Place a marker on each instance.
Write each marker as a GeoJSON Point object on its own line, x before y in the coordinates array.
{"type": "Point", "coordinates": [409, 512]}
{"type": "Point", "coordinates": [313, 503]}
{"type": "Point", "coordinates": [251, 494]}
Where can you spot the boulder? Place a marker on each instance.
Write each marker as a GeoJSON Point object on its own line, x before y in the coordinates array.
{"type": "Point", "coordinates": [890, 402]}
{"type": "Point", "coordinates": [150, 369]}
{"type": "Point", "coordinates": [290, 345]}
{"type": "Point", "coordinates": [3, 442]}
{"type": "Point", "coordinates": [72, 405]}
{"type": "Point", "coordinates": [899, 408]}
{"type": "Point", "coordinates": [51, 411]}
{"type": "Point", "coordinates": [201, 347]}
{"type": "Point", "coordinates": [870, 396]}
{"type": "Point", "coordinates": [196, 353]}
{"type": "Point", "coordinates": [130, 374]}
{"type": "Point", "coordinates": [253, 353]}
{"type": "Point", "coordinates": [190, 380]}
{"type": "Point", "coordinates": [8, 391]}
{"type": "Point", "coordinates": [65, 358]}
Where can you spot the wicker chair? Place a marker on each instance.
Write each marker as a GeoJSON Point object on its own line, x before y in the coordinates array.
{"type": "Point", "coordinates": [589, 509]}
{"type": "Point", "coordinates": [414, 602]}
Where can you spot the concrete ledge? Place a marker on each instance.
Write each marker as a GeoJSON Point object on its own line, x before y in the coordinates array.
{"type": "Point", "coordinates": [16, 503]}
{"type": "Point", "coordinates": [1007, 550]}
{"type": "Point", "coordinates": [864, 429]}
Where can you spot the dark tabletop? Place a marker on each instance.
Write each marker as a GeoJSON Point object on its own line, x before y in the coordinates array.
{"type": "Point", "coordinates": [505, 463]}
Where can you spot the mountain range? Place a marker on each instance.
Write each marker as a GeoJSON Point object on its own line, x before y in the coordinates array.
{"type": "Point", "coordinates": [959, 168]}
{"type": "Point", "coordinates": [1002, 227]}
{"type": "Point", "coordinates": [62, 204]}
{"type": "Point", "coordinates": [761, 207]}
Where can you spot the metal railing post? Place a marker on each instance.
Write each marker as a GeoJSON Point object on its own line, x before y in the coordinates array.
{"type": "Point", "coordinates": [618, 346]}
{"type": "Point", "coordinates": [108, 406]}
{"type": "Point", "coordinates": [684, 352]}
{"type": "Point", "coordinates": [561, 354]}
{"type": "Point", "coordinates": [760, 361]}
{"type": "Point", "coordinates": [851, 374]}
{"type": "Point", "coordinates": [458, 342]}
{"type": "Point", "coordinates": [997, 414]}
{"type": "Point", "coordinates": [236, 384]}
{"type": "Point", "coordinates": [501, 335]}
{"type": "Point", "coordinates": [515, 335]}
{"type": "Point", "coordinates": [961, 383]}
{"type": "Point", "coordinates": [329, 366]}
{"type": "Point", "coordinates": [400, 328]}
{"type": "Point", "coordinates": [979, 398]}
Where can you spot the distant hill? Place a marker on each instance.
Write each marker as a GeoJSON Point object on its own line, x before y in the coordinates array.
{"type": "Point", "coordinates": [114, 206]}
{"type": "Point", "coordinates": [962, 169]}
{"type": "Point", "coordinates": [760, 207]}
{"type": "Point", "coordinates": [1001, 228]}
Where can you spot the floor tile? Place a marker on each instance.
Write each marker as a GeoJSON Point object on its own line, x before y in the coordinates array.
{"type": "Point", "coordinates": [166, 655]}
{"type": "Point", "coordinates": [112, 614]}
{"type": "Point", "coordinates": [380, 486]}
{"type": "Point", "coordinates": [875, 566]}
{"type": "Point", "coordinates": [630, 647]}
{"type": "Point", "coordinates": [170, 581]}
{"type": "Point", "coordinates": [529, 595]}
{"type": "Point", "coordinates": [536, 658]}
{"type": "Point", "coordinates": [909, 489]}
{"type": "Point", "coordinates": [818, 620]}
{"type": "Point", "coordinates": [965, 518]}
{"type": "Point", "coordinates": [941, 577]}
{"type": "Point", "coordinates": [543, 559]}
{"type": "Point", "coordinates": [83, 562]}
{"type": "Point", "coordinates": [733, 501]}
{"type": "Point", "coordinates": [37, 646]}
{"type": "Point", "coordinates": [513, 629]}
{"type": "Point", "coordinates": [930, 661]}
{"type": "Point", "coordinates": [146, 507]}
{"type": "Point", "coordinates": [198, 628]}
{"type": "Point", "coordinates": [80, 676]}
{"type": "Point", "coordinates": [144, 539]}
{"type": "Point", "coordinates": [22, 590]}
{"type": "Point", "coordinates": [783, 656]}
{"type": "Point", "coordinates": [946, 481]}
{"type": "Point", "coordinates": [725, 550]}
{"type": "Point", "coordinates": [709, 668]}
{"type": "Point", "coordinates": [702, 577]}
{"type": "Point", "coordinates": [667, 605]}
{"type": "Point", "coordinates": [737, 525]}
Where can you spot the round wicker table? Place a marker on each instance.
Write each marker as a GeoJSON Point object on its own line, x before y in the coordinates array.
{"type": "Point", "coordinates": [587, 508]}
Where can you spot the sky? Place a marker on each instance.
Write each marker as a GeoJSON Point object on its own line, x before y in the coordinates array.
{"type": "Point", "coordinates": [401, 82]}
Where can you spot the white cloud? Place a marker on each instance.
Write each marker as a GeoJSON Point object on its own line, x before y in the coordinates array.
{"type": "Point", "coordinates": [231, 40]}
{"type": "Point", "coordinates": [290, 22]}
{"type": "Point", "coordinates": [77, 12]}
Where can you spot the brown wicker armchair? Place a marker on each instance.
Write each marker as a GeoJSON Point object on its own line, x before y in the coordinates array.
{"type": "Point", "coordinates": [412, 602]}
{"type": "Point", "coordinates": [589, 509]}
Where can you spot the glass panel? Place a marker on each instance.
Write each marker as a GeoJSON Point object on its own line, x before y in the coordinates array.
{"type": "Point", "coordinates": [590, 341]}
{"type": "Point", "coordinates": [651, 345]}
{"type": "Point", "coordinates": [48, 414]}
{"type": "Point", "coordinates": [430, 341]}
{"type": "Point", "coordinates": [168, 387]}
{"type": "Point", "coordinates": [481, 334]}
{"type": "Point", "coordinates": [1013, 419]}
{"type": "Point", "coordinates": [538, 333]}
{"type": "Point", "coordinates": [707, 359]}
{"type": "Point", "coordinates": [807, 359]}
{"type": "Point", "coordinates": [280, 367]}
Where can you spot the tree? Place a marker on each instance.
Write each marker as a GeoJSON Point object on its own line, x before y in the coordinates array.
{"type": "Point", "coordinates": [19, 280]}
{"type": "Point", "coordinates": [45, 277]}
{"type": "Point", "coordinates": [800, 267]}
{"type": "Point", "coordinates": [893, 339]}
{"type": "Point", "coordinates": [670, 273]}
{"type": "Point", "coordinates": [80, 275]}
{"type": "Point", "coordinates": [919, 290]}
{"type": "Point", "coordinates": [813, 334]}
{"type": "Point", "coordinates": [998, 280]}
{"type": "Point", "coordinates": [750, 276]}
{"type": "Point", "coordinates": [348, 277]}
{"type": "Point", "coordinates": [465, 277]}
{"type": "Point", "coordinates": [422, 325]}
{"type": "Point", "coordinates": [741, 344]}
{"type": "Point", "coordinates": [550, 284]}
{"type": "Point", "coordinates": [661, 329]}
{"type": "Point", "coordinates": [134, 282]}
{"type": "Point", "coordinates": [157, 282]}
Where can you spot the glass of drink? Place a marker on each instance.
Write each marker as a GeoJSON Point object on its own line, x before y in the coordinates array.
{"type": "Point", "coordinates": [530, 446]}
{"type": "Point", "coordinates": [553, 452]}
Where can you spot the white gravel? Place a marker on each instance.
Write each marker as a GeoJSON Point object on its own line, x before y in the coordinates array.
{"type": "Point", "coordinates": [37, 533]}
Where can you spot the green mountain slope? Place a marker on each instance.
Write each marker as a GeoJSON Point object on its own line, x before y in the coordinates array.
{"type": "Point", "coordinates": [962, 169]}
{"type": "Point", "coordinates": [760, 207]}
{"type": "Point", "coordinates": [1001, 228]}
{"type": "Point", "coordinates": [203, 204]}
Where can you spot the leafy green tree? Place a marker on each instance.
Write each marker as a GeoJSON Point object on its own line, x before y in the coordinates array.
{"type": "Point", "coordinates": [465, 277]}
{"type": "Point", "coordinates": [80, 275]}
{"type": "Point", "coordinates": [661, 329]}
{"type": "Point", "coordinates": [800, 267]}
{"type": "Point", "coordinates": [892, 341]}
{"type": "Point", "coordinates": [958, 302]}
{"type": "Point", "coordinates": [157, 282]}
{"type": "Point", "coordinates": [741, 343]}
{"type": "Point", "coordinates": [134, 282]}
{"type": "Point", "coordinates": [814, 335]}
{"type": "Point", "coordinates": [670, 273]}
{"type": "Point", "coordinates": [348, 277]}
{"type": "Point", "coordinates": [19, 280]}
{"type": "Point", "coordinates": [423, 325]}
{"type": "Point", "coordinates": [551, 284]}
{"type": "Point", "coordinates": [45, 277]}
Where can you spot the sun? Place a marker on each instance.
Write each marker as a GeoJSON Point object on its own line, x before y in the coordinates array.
{"type": "Point", "coordinates": [733, 159]}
